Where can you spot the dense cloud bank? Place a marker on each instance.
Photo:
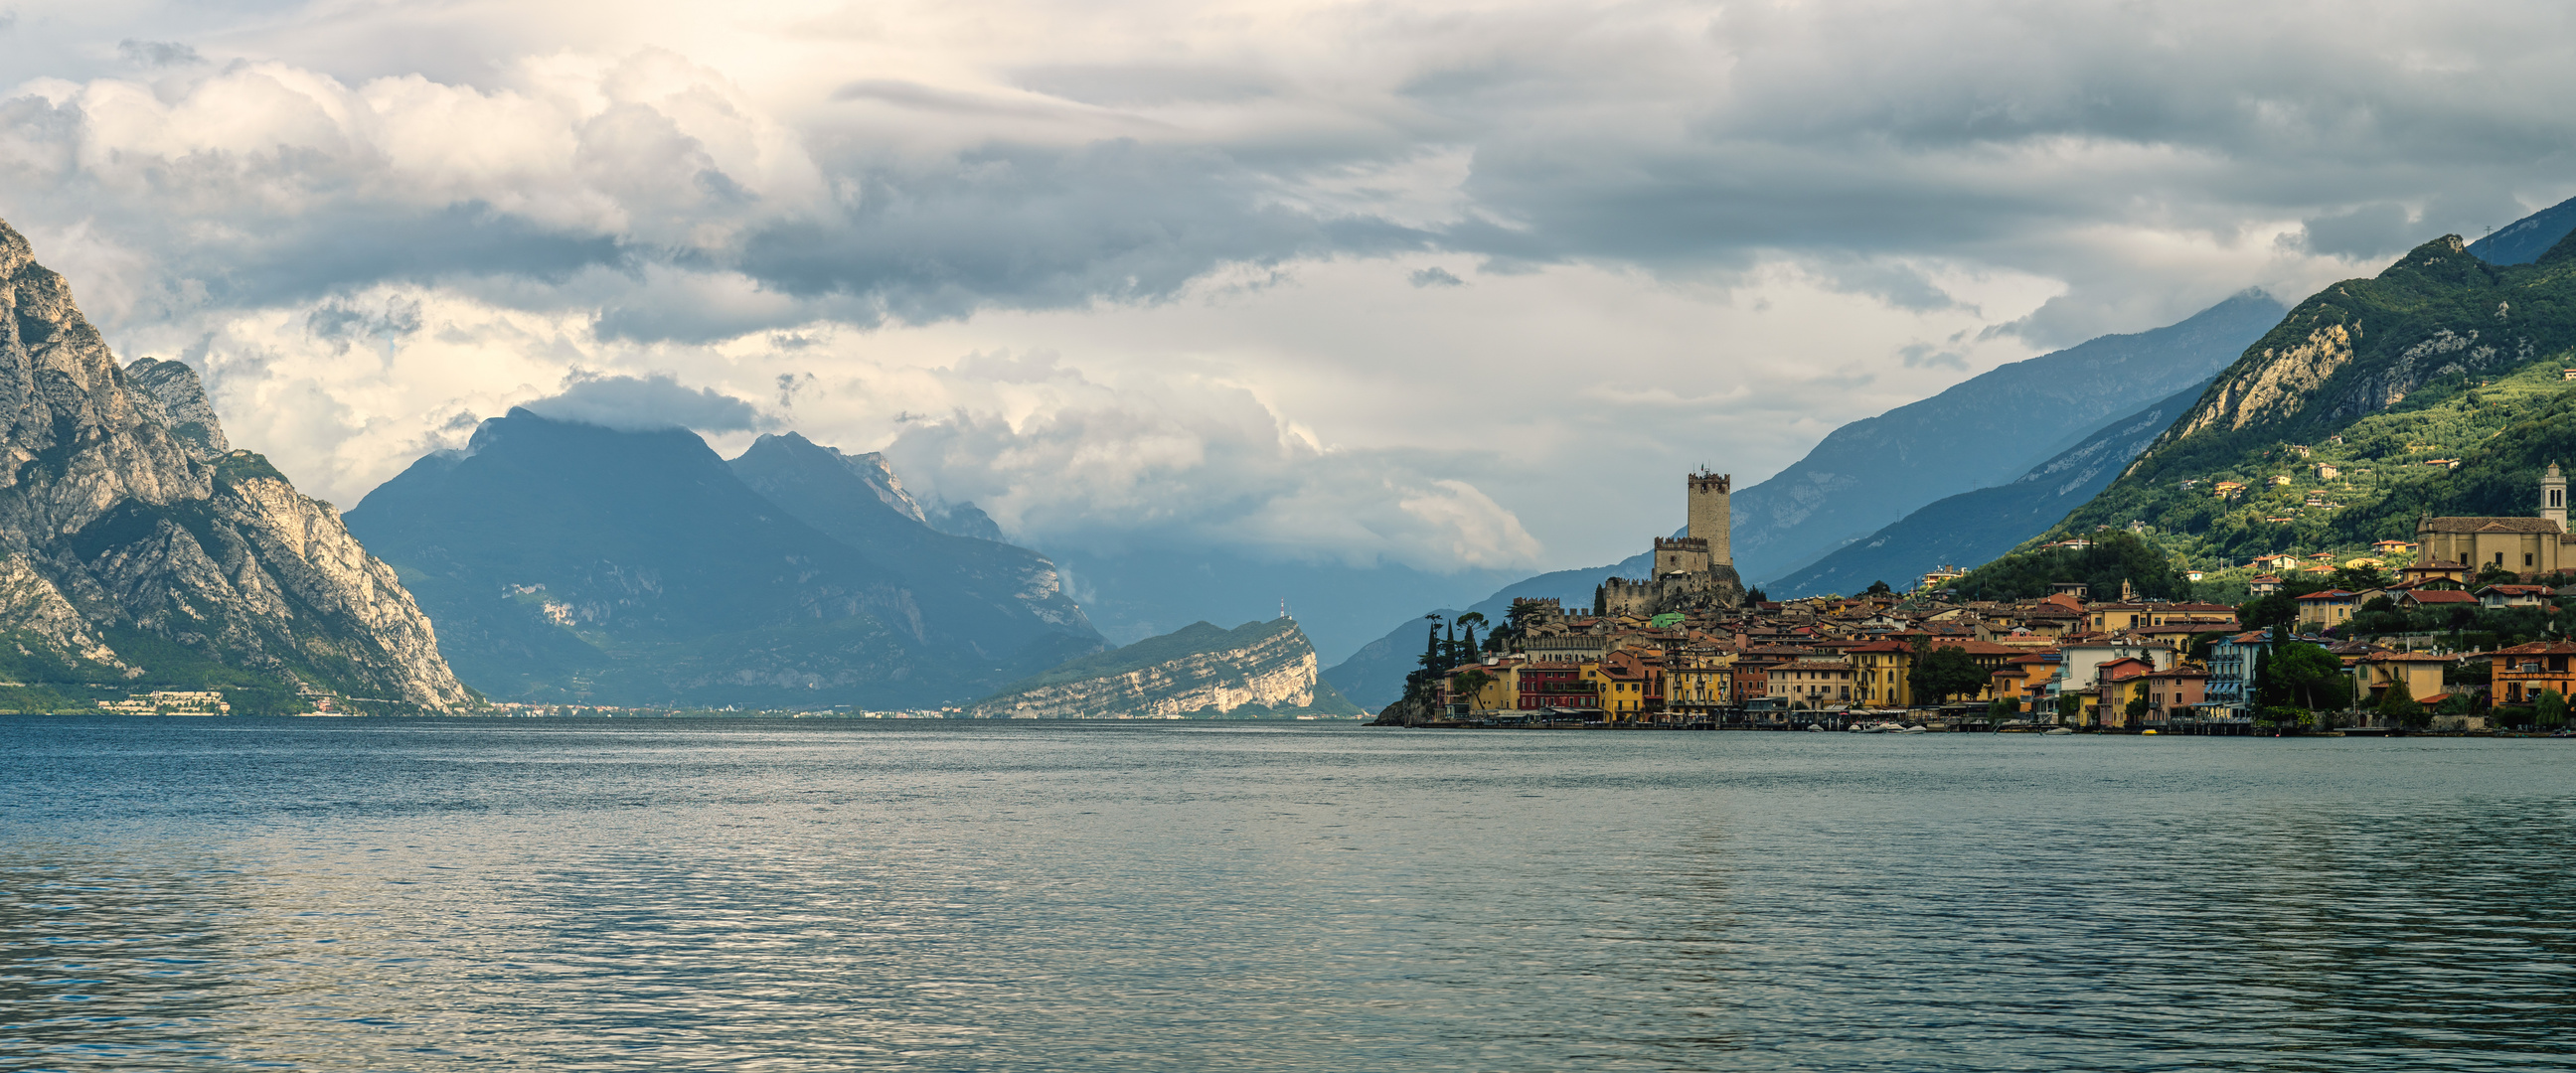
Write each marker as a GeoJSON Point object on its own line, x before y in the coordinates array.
{"type": "Point", "coordinates": [1582, 246]}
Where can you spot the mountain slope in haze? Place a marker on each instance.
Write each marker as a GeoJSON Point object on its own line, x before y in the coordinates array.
{"type": "Point", "coordinates": [1985, 431]}
{"type": "Point", "coordinates": [138, 551]}
{"type": "Point", "coordinates": [1972, 527]}
{"type": "Point", "coordinates": [2393, 367]}
{"type": "Point", "coordinates": [565, 561]}
{"type": "Point", "coordinates": [2523, 241]}
{"type": "Point", "coordinates": [1264, 668]}
{"type": "Point", "coordinates": [1004, 591]}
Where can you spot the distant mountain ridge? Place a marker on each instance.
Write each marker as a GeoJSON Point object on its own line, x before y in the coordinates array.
{"type": "Point", "coordinates": [1985, 431]}
{"type": "Point", "coordinates": [2523, 241]}
{"type": "Point", "coordinates": [138, 551]}
{"type": "Point", "coordinates": [569, 562]}
{"type": "Point", "coordinates": [1972, 527]}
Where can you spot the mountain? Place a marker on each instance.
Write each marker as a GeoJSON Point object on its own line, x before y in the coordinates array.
{"type": "Point", "coordinates": [1258, 668]}
{"type": "Point", "coordinates": [997, 590]}
{"type": "Point", "coordinates": [565, 561]}
{"type": "Point", "coordinates": [1373, 676]}
{"type": "Point", "coordinates": [139, 552]}
{"type": "Point", "coordinates": [1973, 527]}
{"type": "Point", "coordinates": [1985, 431]}
{"type": "Point", "coordinates": [2384, 382]}
{"type": "Point", "coordinates": [2523, 241]}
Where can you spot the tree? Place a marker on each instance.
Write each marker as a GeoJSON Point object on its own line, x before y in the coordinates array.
{"type": "Point", "coordinates": [1879, 588]}
{"type": "Point", "coordinates": [1468, 623]}
{"type": "Point", "coordinates": [1467, 684]}
{"type": "Point", "coordinates": [2275, 610]}
{"type": "Point", "coordinates": [2070, 707]}
{"type": "Point", "coordinates": [2549, 710]}
{"type": "Point", "coordinates": [1938, 675]}
{"type": "Point", "coordinates": [2400, 707]}
{"type": "Point", "coordinates": [2136, 709]}
{"type": "Point", "coordinates": [1756, 596]}
{"type": "Point", "coordinates": [2297, 674]}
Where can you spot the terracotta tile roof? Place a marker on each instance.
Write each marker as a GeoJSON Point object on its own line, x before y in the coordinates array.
{"type": "Point", "coordinates": [2491, 525]}
{"type": "Point", "coordinates": [2440, 596]}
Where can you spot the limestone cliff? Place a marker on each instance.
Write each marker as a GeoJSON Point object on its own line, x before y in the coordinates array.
{"type": "Point", "coordinates": [127, 523]}
{"type": "Point", "coordinates": [1255, 668]}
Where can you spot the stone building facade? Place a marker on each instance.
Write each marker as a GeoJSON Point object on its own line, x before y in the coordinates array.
{"type": "Point", "coordinates": [2532, 545]}
{"type": "Point", "coordinates": [1693, 572]}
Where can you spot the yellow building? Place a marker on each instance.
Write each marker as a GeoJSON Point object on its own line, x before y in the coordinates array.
{"type": "Point", "coordinates": [1699, 679]}
{"type": "Point", "coordinates": [2534, 545]}
{"type": "Point", "coordinates": [1880, 674]}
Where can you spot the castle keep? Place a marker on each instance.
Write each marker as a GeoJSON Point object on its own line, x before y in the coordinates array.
{"type": "Point", "coordinates": [1695, 572]}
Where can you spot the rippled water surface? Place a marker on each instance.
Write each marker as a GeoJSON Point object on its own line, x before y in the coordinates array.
{"type": "Point", "coordinates": [587, 895]}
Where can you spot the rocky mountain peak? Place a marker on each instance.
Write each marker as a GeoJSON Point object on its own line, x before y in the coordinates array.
{"type": "Point", "coordinates": [128, 523]}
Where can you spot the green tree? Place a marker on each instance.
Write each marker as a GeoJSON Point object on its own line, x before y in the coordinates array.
{"type": "Point", "coordinates": [2276, 609]}
{"type": "Point", "coordinates": [1939, 674]}
{"type": "Point", "coordinates": [2549, 711]}
{"type": "Point", "coordinates": [2401, 707]}
{"type": "Point", "coordinates": [2002, 709]}
{"type": "Point", "coordinates": [1879, 588]}
{"type": "Point", "coordinates": [2070, 707]}
{"type": "Point", "coordinates": [2301, 675]}
{"type": "Point", "coordinates": [1467, 684]}
{"type": "Point", "coordinates": [2136, 709]}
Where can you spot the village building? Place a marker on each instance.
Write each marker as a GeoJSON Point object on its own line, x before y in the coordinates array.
{"type": "Point", "coordinates": [2533, 545]}
{"type": "Point", "coordinates": [2518, 675]}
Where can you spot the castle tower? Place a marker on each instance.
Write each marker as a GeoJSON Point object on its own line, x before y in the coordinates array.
{"type": "Point", "coordinates": [2553, 498]}
{"type": "Point", "coordinates": [1708, 514]}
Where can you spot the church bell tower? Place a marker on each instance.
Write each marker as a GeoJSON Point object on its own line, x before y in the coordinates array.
{"type": "Point", "coordinates": [2553, 497]}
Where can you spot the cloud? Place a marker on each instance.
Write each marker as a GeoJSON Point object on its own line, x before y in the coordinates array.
{"type": "Point", "coordinates": [157, 53]}
{"type": "Point", "coordinates": [1199, 463]}
{"type": "Point", "coordinates": [365, 223]}
{"type": "Point", "coordinates": [643, 403]}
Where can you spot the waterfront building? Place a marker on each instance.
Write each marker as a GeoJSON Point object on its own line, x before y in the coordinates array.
{"type": "Point", "coordinates": [2231, 670]}
{"type": "Point", "coordinates": [2518, 675]}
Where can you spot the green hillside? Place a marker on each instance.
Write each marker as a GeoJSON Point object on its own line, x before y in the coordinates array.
{"type": "Point", "coordinates": [2341, 424]}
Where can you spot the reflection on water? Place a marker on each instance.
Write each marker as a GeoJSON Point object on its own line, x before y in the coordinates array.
{"type": "Point", "coordinates": [435, 895]}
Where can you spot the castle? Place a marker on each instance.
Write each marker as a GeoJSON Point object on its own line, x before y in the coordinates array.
{"type": "Point", "coordinates": [2537, 545]}
{"type": "Point", "coordinates": [1695, 572]}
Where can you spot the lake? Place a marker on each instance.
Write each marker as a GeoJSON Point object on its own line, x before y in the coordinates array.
{"type": "Point", "coordinates": [849, 895]}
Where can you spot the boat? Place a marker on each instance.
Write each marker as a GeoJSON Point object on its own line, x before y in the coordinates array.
{"type": "Point", "coordinates": [2059, 730]}
{"type": "Point", "coordinates": [1912, 730]}
{"type": "Point", "coordinates": [1815, 728]}
{"type": "Point", "coordinates": [1881, 727]}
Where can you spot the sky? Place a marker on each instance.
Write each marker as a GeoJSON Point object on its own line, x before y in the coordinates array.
{"type": "Point", "coordinates": [1449, 285]}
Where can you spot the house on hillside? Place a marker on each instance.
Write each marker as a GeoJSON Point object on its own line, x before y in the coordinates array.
{"type": "Point", "coordinates": [2500, 596]}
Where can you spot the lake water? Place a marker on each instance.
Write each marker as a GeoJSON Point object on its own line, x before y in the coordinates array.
{"type": "Point", "coordinates": [598, 895]}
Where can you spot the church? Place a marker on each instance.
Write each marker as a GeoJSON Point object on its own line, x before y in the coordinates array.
{"type": "Point", "coordinates": [2537, 545]}
{"type": "Point", "coordinates": [1692, 572]}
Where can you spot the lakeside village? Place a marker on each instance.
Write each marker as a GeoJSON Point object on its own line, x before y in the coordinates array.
{"type": "Point", "coordinates": [2456, 632]}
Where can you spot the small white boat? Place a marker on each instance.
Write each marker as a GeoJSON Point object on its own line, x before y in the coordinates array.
{"type": "Point", "coordinates": [1913, 730]}
{"type": "Point", "coordinates": [1878, 728]}
{"type": "Point", "coordinates": [2059, 730]}
{"type": "Point", "coordinates": [1815, 729]}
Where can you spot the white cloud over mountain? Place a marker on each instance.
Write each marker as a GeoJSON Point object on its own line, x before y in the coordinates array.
{"type": "Point", "coordinates": [1339, 280]}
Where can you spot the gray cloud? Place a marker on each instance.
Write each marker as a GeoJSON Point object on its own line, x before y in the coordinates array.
{"type": "Point", "coordinates": [1435, 276]}
{"type": "Point", "coordinates": [158, 53]}
{"type": "Point", "coordinates": [645, 403]}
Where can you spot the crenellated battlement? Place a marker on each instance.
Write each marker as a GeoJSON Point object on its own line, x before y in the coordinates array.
{"type": "Point", "coordinates": [1720, 483]}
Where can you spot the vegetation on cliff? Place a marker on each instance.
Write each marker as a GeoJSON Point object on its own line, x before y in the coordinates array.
{"type": "Point", "coordinates": [2345, 422]}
